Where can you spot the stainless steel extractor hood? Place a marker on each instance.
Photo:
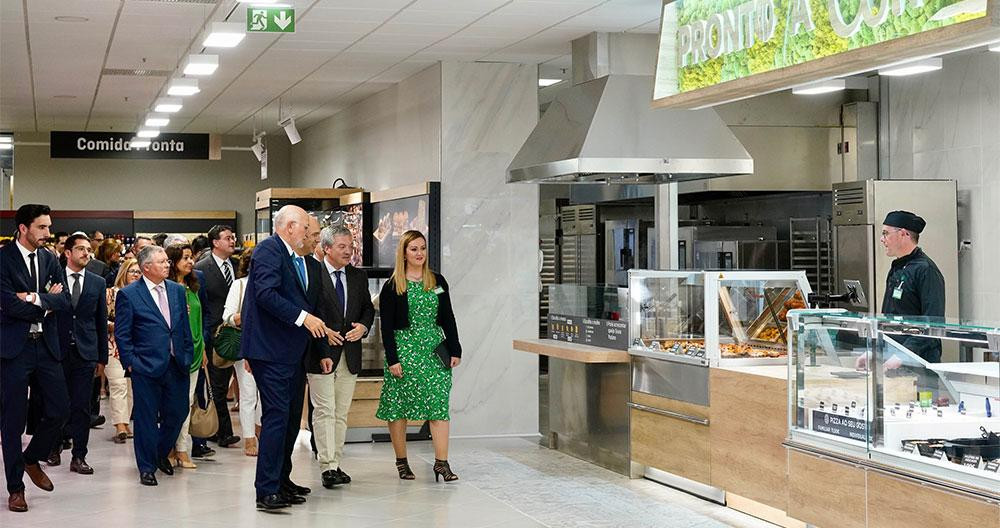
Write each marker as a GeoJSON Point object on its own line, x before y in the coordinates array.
{"type": "Point", "coordinates": [604, 130]}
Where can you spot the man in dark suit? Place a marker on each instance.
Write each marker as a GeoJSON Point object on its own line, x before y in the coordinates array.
{"type": "Point", "coordinates": [278, 323]}
{"type": "Point", "coordinates": [219, 269]}
{"type": "Point", "coordinates": [83, 336]}
{"type": "Point", "coordinates": [347, 309]}
{"type": "Point", "coordinates": [155, 344]}
{"type": "Point", "coordinates": [31, 293]}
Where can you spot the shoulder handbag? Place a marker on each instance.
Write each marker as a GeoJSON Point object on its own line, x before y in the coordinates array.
{"type": "Point", "coordinates": [204, 422]}
{"type": "Point", "coordinates": [227, 341]}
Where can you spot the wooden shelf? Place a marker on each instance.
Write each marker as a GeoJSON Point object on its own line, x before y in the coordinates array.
{"type": "Point", "coordinates": [571, 351]}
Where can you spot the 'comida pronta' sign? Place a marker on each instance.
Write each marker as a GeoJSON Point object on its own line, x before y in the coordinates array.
{"type": "Point", "coordinates": [119, 145]}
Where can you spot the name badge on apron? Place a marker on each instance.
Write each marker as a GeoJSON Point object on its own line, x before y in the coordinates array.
{"type": "Point", "coordinates": [898, 292]}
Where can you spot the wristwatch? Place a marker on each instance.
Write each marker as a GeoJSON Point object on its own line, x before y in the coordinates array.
{"type": "Point", "coordinates": [30, 297]}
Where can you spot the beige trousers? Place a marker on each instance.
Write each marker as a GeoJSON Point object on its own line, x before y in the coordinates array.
{"type": "Point", "coordinates": [331, 396]}
{"type": "Point", "coordinates": [184, 440]}
{"type": "Point", "coordinates": [119, 392]}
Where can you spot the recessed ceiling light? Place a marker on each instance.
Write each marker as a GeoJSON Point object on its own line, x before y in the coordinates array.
{"type": "Point", "coordinates": [913, 68]}
{"type": "Point", "coordinates": [64, 96]}
{"type": "Point", "coordinates": [71, 19]}
{"type": "Point", "coordinates": [140, 143]}
{"type": "Point", "coordinates": [201, 64]}
{"type": "Point", "coordinates": [147, 133]}
{"type": "Point", "coordinates": [183, 87]}
{"type": "Point", "coordinates": [167, 105]}
{"type": "Point", "coordinates": [995, 46]}
{"type": "Point", "coordinates": [548, 82]}
{"type": "Point", "coordinates": [6, 146]}
{"type": "Point", "coordinates": [6, 139]}
{"type": "Point", "coordinates": [259, 2]}
{"type": "Point", "coordinates": [821, 87]}
{"type": "Point", "coordinates": [225, 35]}
{"type": "Point", "coordinates": [157, 120]}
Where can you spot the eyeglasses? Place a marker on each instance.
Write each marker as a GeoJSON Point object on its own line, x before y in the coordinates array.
{"type": "Point", "coordinates": [134, 272]}
{"type": "Point", "coordinates": [886, 233]}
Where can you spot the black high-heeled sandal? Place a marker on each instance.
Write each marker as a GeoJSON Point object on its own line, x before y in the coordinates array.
{"type": "Point", "coordinates": [404, 469]}
{"type": "Point", "coordinates": [442, 469]}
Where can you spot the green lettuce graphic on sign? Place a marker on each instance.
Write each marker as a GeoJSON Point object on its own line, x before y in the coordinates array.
{"type": "Point", "coordinates": [724, 40]}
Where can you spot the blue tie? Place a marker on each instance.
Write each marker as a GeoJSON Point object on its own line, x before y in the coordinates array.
{"type": "Point", "coordinates": [300, 266]}
{"type": "Point", "coordinates": [341, 294]}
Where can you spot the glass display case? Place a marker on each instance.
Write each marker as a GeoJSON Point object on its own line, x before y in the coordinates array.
{"type": "Point", "coordinates": [726, 318]}
{"type": "Point", "coordinates": [863, 386]}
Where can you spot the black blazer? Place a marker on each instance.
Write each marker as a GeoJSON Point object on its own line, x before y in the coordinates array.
{"type": "Point", "coordinates": [213, 293]}
{"type": "Point", "coordinates": [88, 322]}
{"type": "Point", "coordinates": [394, 314]}
{"type": "Point", "coordinates": [359, 310]}
{"type": "Point", "coordinates": [17, 316]}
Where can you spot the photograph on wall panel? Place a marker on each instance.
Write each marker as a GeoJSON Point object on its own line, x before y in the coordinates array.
{"type": "Point", "coordinates": [395, 211]}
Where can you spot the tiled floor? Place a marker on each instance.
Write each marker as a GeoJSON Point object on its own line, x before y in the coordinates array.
{"type": "Point", "coordinates": [504, 482]}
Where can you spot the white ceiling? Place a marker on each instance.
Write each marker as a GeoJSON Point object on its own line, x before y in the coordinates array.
{"type": "Point", "coordinates": [342, 51]}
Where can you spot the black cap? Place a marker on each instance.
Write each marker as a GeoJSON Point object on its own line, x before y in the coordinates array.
{"type": "Point", "coordinates": [905, 220]}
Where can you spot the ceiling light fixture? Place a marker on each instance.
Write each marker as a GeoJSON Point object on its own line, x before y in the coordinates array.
{"type": "Point", "coordinates": [259, 2]}
{"type": "Point", "coordinates": [6, 139]}
{"type": "Point", "coordinates": [147, 133]}
{"type": "Point", "coordinates": [291, 131]}
{"type": "Point", "coordinates": [548, 82]}
{"type": "Point", "coordinates": [167, 105]}
{"type": "Point", "coordinates": [821, 87]}
{"type": "Point", "coordinates": [157, 120]}
{"type": "Point", "coordinates": [201, 64]}
{"type": "Point", "coordinates": [140, 143]}
{"type": "Point", "coordinates": [6, 146]}
{"type": "Point", "coordinates": [225, 35]}
{"type": "Point", "coordinates": [183, 87]}
{"type": "Point", "coordinates": [76, 19]}
{"type": "Point", "coordinates": [913, 68]}
{"type": "Point", "coordinates": [995, 46]}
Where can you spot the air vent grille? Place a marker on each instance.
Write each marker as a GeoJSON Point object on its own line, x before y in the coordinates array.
{"type": "Point", "coordinates": [209, 2]}
{"type": "Point", "coordinates": [852, 196]}
{"type": "Point", "coordinates": [135, 72]}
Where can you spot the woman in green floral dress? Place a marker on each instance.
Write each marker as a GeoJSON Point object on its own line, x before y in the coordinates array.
{"type": "Point", "coordinates": [417, 319]}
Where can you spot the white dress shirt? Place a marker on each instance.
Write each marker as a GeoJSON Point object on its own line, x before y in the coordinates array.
{"type": "Point", "coordinates": [151, 286]}
{"type": "Point", "coordinates": [223, 264]}
{"type": "Point", "coordinates": [302, 315]}
{"type": "Point", "coordinates": [69, 278]}
{"type": "Point", "coordinates": [35, 327]}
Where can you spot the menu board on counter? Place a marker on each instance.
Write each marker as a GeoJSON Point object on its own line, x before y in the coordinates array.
{"type": "Point", "coordinates": [603, 333]}
{"type": "Point", "coordinates": [839, 425]}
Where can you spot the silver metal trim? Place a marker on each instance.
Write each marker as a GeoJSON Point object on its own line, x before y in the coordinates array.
{"type": "Point", "coordinates": [697, 488]}
{"type": "Point", "coordinates": [662, 356]}
{"type": "Point", "coordinates": [669, 414]}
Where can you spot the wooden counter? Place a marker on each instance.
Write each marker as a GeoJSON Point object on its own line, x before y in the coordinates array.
{"type": "Point", "coordinates": [571, 351]}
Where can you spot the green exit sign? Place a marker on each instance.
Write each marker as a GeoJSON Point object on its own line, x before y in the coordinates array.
{"type": "Point", "coordinates": [270, 20]}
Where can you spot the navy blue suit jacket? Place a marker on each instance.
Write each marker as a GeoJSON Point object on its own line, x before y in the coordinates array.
{"type": "Point", "coordinates": [88, 322]}
{"type": "Point", "coordinates": [142, 335]}
{"type": "Point", "coordinates": [17, 316]}
{"type": "Point", "coordinates": [273, 300]}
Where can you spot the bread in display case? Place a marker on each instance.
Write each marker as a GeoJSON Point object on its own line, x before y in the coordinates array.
{"type": "Point", "coordinates": [857, 389]}
{"type": "Point", "coordinates": [745, 322]}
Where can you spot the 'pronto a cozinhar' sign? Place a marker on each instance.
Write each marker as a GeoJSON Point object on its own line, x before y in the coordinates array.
{"type": "Point", "coordinates": [708, 42]}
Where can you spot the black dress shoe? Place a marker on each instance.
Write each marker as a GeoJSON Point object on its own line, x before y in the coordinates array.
{"type": "Point", "coordinates": [201, 451]}
{"type": "Point", "coordinates": [79, 465]}
{"type": "Point", "coordinates": [292, 498]}
{"type": "Point", "coordinates": [228, 441]}
{"type": "Point", "coordinates": [164, 465]}
{"type": "Point", "coordinates": [54, 458]}
{"type": "Point", "coordinates": [344, 476]}
{"type": "Point", "coordinates": [272, 502]}
{"type": "Point", "coordinates": [330, 478]}
{"type": "Point", "coordinates": [97, 421]}
{"type": "Point", "coordinates": [147, 479]}
{"type": "Point", "coordinates": [295, 489]}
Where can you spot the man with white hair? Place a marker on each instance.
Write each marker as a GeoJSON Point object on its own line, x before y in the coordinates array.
{"type": "Point", "coordinates": [282, 294]}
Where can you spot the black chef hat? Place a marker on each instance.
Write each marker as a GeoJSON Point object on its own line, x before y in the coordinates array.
{"type": "Point", "coordinates": [905, 220]}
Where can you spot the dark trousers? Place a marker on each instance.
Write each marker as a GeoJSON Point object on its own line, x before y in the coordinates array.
{"type": "Point", "coordinates": [34, 363]}
{"type": "Point", "coordinates": [79, 374]}
{"type": "Point", "coordinates": [280, 386]}
{"type": "Point", "coordinates": [159, 409]}
{"type": "Point", "coordinates": [220, 379]}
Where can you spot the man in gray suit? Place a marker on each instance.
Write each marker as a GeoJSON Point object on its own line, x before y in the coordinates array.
{"type": "Point", "coordinates": [219, 270]}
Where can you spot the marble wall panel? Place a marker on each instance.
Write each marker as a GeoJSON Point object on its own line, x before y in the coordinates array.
{"type": "Point", "coordinates": [946, 125]}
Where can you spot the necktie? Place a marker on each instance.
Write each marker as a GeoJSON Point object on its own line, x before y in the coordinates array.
{"type": "Point", "coordinates": [300, 267]}
{"type": "Point", "coordinates": [341, 294]}
{"type": "Point", "coordinates": [76, 289]}
{"type": "Point", "coordinates": [161, 296]}
{"type": "Point", "coordinates": [34, 272]}
{"type": "Point", "coordinates": [227, 273]}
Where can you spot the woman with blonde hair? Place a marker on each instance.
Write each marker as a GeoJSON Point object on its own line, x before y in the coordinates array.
{"type": "Point", "coordinates": [110, 253]}
{"type": "Point", "coordinates": [421, 347]}
{"type": "Point", "coordinates": [119, 386]}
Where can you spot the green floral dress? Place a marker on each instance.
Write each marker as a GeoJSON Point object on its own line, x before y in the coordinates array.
{"type": "Point", "coordinates": [422, 392]}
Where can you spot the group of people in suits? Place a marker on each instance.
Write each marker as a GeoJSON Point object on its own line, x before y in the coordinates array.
{"type": "Point", "coordinates": [302, 309]}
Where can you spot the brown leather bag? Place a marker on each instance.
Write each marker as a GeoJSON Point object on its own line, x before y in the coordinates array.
{"type": "Point", "coordinates": [204, 422]}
